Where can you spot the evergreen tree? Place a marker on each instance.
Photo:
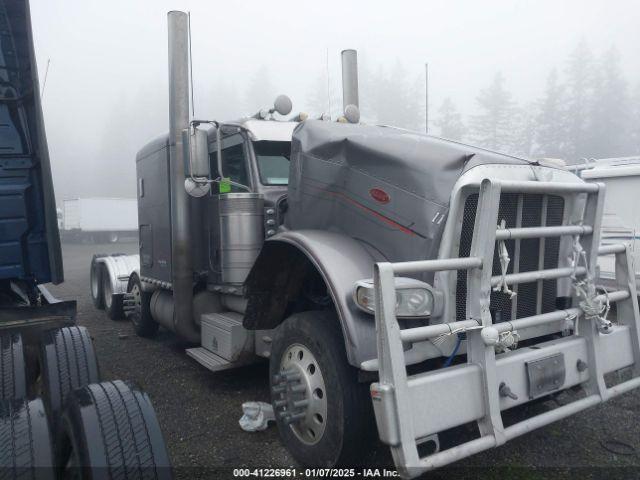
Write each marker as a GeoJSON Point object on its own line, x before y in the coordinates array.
{"type": "Point", "coordinates": [378, 92]}
{"type": "Point", "coordinates": [610, 116]}
{"type": "Point", "coordinates": [318, 101]}
{"type": "Point", "coordinates": [394, 99]}
{"type": "Point", "coordinates": [524, 128]}
{"type": "Point", "coordinates": [114, 173]}
{"type": "Point", "coordinates": [261, 92]}
{"type": "Point", "coordinates": [368, 90]}
{"type": "Point", "coordinates": [579, 96]}
{"type": "Point", "coordinates": [391, 98]}
{"type": "Point", "coordinates": [418, 105]}
{"type": "Point", "coordinates": [221, 101]}
{"type": "Point", "coordinates": [449, 121]}
{"type": "Point", "coordinates": [551, 121]}
{"type": "Point", "coordinates": [492, 127]}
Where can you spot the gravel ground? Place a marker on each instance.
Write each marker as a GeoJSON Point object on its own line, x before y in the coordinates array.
{"type": "Point", "coordinates": [199, 410]}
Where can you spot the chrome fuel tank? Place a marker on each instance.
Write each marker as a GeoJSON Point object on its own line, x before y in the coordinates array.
{"type": "Point", "coordinates": [241, 217]}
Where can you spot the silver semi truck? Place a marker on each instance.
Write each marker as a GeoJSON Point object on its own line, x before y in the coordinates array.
{"type": "Point", "coordinates": [383, 273]}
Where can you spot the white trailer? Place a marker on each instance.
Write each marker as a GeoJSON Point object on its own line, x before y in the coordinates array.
{"type": "Point", "coordinates": [99, 219]}
{"type": "Point", "coordinates": [621, 220]}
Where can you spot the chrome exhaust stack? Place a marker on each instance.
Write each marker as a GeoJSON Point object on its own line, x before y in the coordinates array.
{"type": "Point", "coordinates": [349, 79]}
{"type": "Point", "coordinates": [350, 100]}
{"type": "Point", "coordinates": [181, 261]}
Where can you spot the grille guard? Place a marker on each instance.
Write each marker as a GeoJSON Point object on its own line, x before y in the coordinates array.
{"type": "Point", "coordinates": [411, 408]}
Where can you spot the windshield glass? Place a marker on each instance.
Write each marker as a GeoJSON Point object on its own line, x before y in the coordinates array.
{"type": "Point", "coordinates": [273, 162]}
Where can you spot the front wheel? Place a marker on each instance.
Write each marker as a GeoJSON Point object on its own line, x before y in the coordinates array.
{"type": "Point", "coordinates": [323, 413]}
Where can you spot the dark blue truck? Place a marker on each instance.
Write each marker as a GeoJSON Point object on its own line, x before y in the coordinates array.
{"type": "Point", "coordinates": [30, 254]}
{"type": "Point", "coordinates": [50, 389]}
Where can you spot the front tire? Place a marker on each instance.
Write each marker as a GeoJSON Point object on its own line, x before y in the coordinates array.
{"type": "Point", "coordinates": [323, 413]}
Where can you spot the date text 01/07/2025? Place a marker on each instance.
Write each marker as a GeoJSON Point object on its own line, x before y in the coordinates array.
{"type": "Point", "coordinates": [314, 473]}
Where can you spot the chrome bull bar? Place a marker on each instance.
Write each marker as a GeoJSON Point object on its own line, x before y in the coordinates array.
{"type": "Point", "coordinates": [412, 408]}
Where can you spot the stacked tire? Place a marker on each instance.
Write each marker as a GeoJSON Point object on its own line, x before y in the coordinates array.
{"type": "Point", "coordinates": [79, 426]}
{"type": "Point", "coordinates": [25, 439]}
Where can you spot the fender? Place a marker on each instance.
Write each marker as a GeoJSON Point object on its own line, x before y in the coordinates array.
{"type": "Point", "coordinates": [119, 268]}
{"type": "Point", "coordinates": [341, 261]}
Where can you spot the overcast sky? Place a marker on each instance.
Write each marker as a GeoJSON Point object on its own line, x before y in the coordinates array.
{"type": "Point", "coordinates": [106, 91]}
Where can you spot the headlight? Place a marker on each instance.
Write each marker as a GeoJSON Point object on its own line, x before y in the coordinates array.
{"type": "Point", "coordinates": [413, 297]}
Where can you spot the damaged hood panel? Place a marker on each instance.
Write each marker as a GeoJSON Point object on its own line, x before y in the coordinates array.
{"type": "Point", "coordinates": [387, 187]}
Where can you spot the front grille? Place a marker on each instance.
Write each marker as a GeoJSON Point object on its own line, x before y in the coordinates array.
{"type": "Point", "coordinates": [525, 303]}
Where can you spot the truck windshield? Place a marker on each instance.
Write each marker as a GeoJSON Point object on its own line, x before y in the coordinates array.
{"type": "Point", "coordinates": [273, 162]}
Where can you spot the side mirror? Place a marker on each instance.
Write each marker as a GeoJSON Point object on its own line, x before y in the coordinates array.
{"type": "Point", "coordinates": [197, 168]}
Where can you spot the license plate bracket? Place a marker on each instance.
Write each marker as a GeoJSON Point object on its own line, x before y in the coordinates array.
{"type": "Point", "coordinates": [545, 375]}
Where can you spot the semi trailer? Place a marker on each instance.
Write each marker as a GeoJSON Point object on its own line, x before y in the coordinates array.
{"type": "Point", "coordinates": [383, 273]}
{"type": "Point", "coordinates": [99, 219]}
{"type": "Point", "coordinates": [621, 220]}
{"type": "Point", "coordinates": [57, 416]}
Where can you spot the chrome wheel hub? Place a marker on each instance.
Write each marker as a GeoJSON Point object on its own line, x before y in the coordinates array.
{"type": "Point", "coordinates": [300, 396]}
{"type": "Point", "coordinates": [132, 302]}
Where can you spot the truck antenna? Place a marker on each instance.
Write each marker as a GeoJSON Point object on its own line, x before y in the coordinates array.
{"type": "Point", "coordinates": [426, 98]}
{"type": "Point", "coordinates": [193, 104]}
{"type": "Point", "coordinates": [328, 84]}
{"type": "Point", "coordinates": [44, 82]}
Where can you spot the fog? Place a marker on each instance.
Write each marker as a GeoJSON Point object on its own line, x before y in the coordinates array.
{"type": "Point", "coordinates": [106, 86]}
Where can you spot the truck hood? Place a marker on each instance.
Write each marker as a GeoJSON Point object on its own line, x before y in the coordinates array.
{"type": "Point", "coordinates": [387, 187]}
{"type": "Point", "coordinates": [424, 165]}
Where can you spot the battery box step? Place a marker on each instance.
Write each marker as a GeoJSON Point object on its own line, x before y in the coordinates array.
{"type": "Point", "coordinates": [223, 335]}
{"type": "Point", "coordinates": [211, 361]}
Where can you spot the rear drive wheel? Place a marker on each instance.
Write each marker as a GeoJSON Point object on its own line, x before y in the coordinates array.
{"type": "Point", "coordinates": [140, 313]}
{"type": "Point", "coordinates": [95, 282]}
{"type": "Point", "coordinates": [112, 303]}
{"type": "Point", "coordinates": [13, 378]}
{"type": "Point", "coordinates": [323, 413]}
{"type": "Point", "coordinates": [111, 429]}
{"type": "Point", "coordinates": [25, 440]}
